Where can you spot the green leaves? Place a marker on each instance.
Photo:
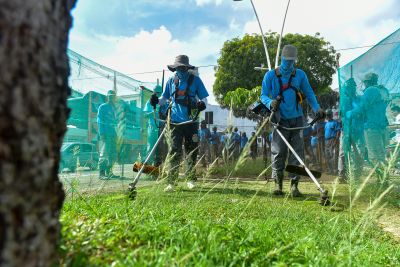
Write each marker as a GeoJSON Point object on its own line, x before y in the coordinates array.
{"type": "Point", "coordinates": [237, 84]}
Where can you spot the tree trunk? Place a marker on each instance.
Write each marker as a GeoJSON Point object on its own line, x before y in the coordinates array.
{"type": "Point", "coordinates": [33, 112]}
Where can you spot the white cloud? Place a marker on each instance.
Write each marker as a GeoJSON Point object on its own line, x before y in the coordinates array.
{"type": "Point", "coordinates": [205, 2]}
{"type": "Point", "coordinates": [149, 51]}
{"type": "Point", "coordinates": [344, 23]}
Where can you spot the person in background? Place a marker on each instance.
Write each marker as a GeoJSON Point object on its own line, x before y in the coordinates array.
{"type": "Point", "coordinates": [307, 144]}
{"type": "Point", "coordinates": [152, 116]}
{"type": "Point", "coordinates": [332, 135]}
{"type": "Point", "coordinates": [107, 124]}
{"type": "Point", "coordinates": [314, 143]}
{"type": "Point", "coordinates": [319, 132]}
{"type": "Point", "coordinates": [235, 144]}
{"type": "Point", "coordinates": [373, 107]}
{"type": "Point", "coordinates": [204, 147]}
{"type": "Point", "coordinates": [352, 147]}
{"type": "Point", "coordinates": [215, 143]}
{"type": "Point", "coordinates": [243, 141]}
{"type": "Point", "coordinates": [253, 146]}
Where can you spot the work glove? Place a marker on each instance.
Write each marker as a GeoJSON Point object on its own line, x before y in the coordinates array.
{"type": "Point", "coordinates": [321, 114]}
{"type": "Point", "coordinates": [275, 105]}
{"type": "Point", "coordinates": [154, 100]}
{"type": "Point", "coordinates": [201, 106]}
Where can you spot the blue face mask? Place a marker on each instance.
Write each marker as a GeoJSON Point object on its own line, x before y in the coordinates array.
{"type": "Point", "coordinates": [182, 75]}
{"type": "Point", "coordinates": [287, 66]}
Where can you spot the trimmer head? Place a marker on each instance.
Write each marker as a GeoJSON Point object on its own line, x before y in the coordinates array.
{"type": "Point", "coordinates": [324, 201]}
{"type": "Point", "coordinates": [149, 169]}
{"type": "Point", "coordinates": [132, 191]}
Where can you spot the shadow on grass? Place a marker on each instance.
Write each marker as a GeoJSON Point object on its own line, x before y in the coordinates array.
{"type": "Point", "coordinates": [251, 192]}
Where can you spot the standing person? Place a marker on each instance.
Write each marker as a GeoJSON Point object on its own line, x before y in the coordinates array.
{"type": "Point", "coordinates": [289, 83]}
{"type": "Point", "coordinates": [204, 148]}
{"type": "Point", "coordinates": [107, 123]}
{"type": "Point", "coordinates": [235, 143]}
{"type": "Point", "coordinates": [352, 141]}
{"type": "Point", "coordinates": [188, 95]}
{"type": "Point", "coordinates": [314, 143]}
{"type": "Point", "coordinates": [307, 144]}
{"type": "Point", "coordinates": [373, 107]}
{"type": "Point", "coordinates": [253, 146]}
{"type": "Point", "coordinates": [243, 141]}
{"type": "Point", "coordinates": [152, 116]}
{"type": "Point", "coordinates": [319, 132]}
{"type": "Point", "coordinates": [332, 135]}
{"type": "Point", "coordinates": [215, 143]}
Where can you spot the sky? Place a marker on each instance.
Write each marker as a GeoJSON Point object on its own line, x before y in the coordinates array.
{"type": "Point", "coordinates": [136, 36]}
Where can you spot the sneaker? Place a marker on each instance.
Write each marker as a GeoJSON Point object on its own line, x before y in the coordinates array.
{"type": "Point", "coordinates": [191, 185]}
{"type": "Point", "coordinates": [169, 188]}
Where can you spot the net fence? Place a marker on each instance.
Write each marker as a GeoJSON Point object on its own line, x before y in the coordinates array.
{"type": "Point", "coordinates": [114, 137]}
{"type": "Point", "coordinates": [112, 125]}
{"type": "Point", "coordinates": [370, 106]}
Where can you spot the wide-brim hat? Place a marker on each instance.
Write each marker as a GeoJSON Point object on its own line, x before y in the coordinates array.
{"type": "Point", "coordinates": [180, 61]}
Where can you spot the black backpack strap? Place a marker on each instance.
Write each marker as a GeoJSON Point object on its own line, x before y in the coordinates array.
{"type": "Point", "coordinates": [187, 96]}
{"type": "Point", "coordinates": [279, 76]}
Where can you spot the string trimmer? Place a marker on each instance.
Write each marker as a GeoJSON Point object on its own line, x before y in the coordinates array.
{"type": "Point", "coordinates": [144, 167]}
{"type": "Point", "coordinates": [302, 169]}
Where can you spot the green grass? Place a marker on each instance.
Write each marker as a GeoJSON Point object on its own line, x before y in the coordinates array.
{"type": "Point", "coordinates": [226, 224]}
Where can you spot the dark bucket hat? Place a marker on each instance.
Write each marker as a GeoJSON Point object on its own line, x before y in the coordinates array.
{"type": "Point", "coordinates": [180, 61]}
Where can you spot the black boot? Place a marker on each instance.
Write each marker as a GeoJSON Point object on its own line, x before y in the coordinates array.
{"type": "Point", "coordinates": [278, 186]}
{"type": "Point", "coordinates": [294, 190]}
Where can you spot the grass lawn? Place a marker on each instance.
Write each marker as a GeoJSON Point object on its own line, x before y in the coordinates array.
{"type": "Point", "coordinates": [226, 223]}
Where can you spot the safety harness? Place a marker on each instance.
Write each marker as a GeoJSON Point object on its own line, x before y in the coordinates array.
{"type": "Point", "coordinates": [299, 95]}
{"type": "Point", "coordinates": [186, 101]}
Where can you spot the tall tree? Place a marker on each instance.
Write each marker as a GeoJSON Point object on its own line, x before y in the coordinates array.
{"type": "Point", "coordinates": [33, 113]}
{"type": "Point", "coordinates": [239, 56]}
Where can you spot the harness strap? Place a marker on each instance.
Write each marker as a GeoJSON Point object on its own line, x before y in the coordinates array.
{"type": "Point", "coordinates": [282, 88]}
{"type": "Point", "coordinates": [186, 101]}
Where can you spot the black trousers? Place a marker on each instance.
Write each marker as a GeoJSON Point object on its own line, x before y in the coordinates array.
{"type": "Point", "coordinates": [187, 136]}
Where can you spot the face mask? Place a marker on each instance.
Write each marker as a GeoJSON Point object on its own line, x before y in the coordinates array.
{"type": "Point", "coordinates": [182, 75]}
{"type": "Point", "coordinates": [287, 65]}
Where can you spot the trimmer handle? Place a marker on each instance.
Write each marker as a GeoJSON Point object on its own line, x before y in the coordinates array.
{"type": "Point", "coordinates": [314, 121]}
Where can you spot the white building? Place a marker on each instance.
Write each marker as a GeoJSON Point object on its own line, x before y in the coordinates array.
{"type": "Point", "coordinates": [224, 117]}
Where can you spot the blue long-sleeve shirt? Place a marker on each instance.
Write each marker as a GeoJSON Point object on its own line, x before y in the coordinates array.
{"type": "Point", "coordinates": [288, 110]}
{"type": "Point", "coordinates": [197, 90]}
{"type": "Point", "coordinates": [106, 120]}
{"type": "Point", "coordinates": [373, 107]}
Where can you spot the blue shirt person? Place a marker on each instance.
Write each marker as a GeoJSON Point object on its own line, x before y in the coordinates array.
{"type": "Point", "coordinates": [215, 137]}
{"type": "Point", "coordinates": [187, 94]}
{"type": "Point", "coordinates": [107, 123]}
{"type": "Point", "coordinates": [314, 141]}
{"type": "Point", "coordinates": [243, 140]}
{"type": "Point", "coordinates": [152, 123]}
{"type": "Point", "coordinates": [289, 108]}
{"type": "Point", "coordinates": [204, 134]}
{"type": "Point", "coordinates": [332, 128]}
{"type": "Point", "coordinates": [107, 119]}
{"type": "Point", "coordinates": [290, 84]}
{"type": "Point", "coordinates": [176, 90]}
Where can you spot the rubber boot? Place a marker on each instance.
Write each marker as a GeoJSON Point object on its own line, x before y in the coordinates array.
{"type": "Point", "coordinates": [294, 190]}
{"type": "Point", "coordinates": [278, 186]}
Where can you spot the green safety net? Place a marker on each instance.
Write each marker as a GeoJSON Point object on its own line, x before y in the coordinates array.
{"type": "Point", "coordinates": [82, 149]}
{"type": "Point", "coordinates": [370, 106]}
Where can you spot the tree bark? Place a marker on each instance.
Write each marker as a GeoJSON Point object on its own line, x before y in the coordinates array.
{"type": "Point", "coordinates": [33, 112]}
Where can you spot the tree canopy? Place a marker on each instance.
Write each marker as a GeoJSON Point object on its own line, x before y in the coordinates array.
{"type": "Point", "coordinates": [237, 84]}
